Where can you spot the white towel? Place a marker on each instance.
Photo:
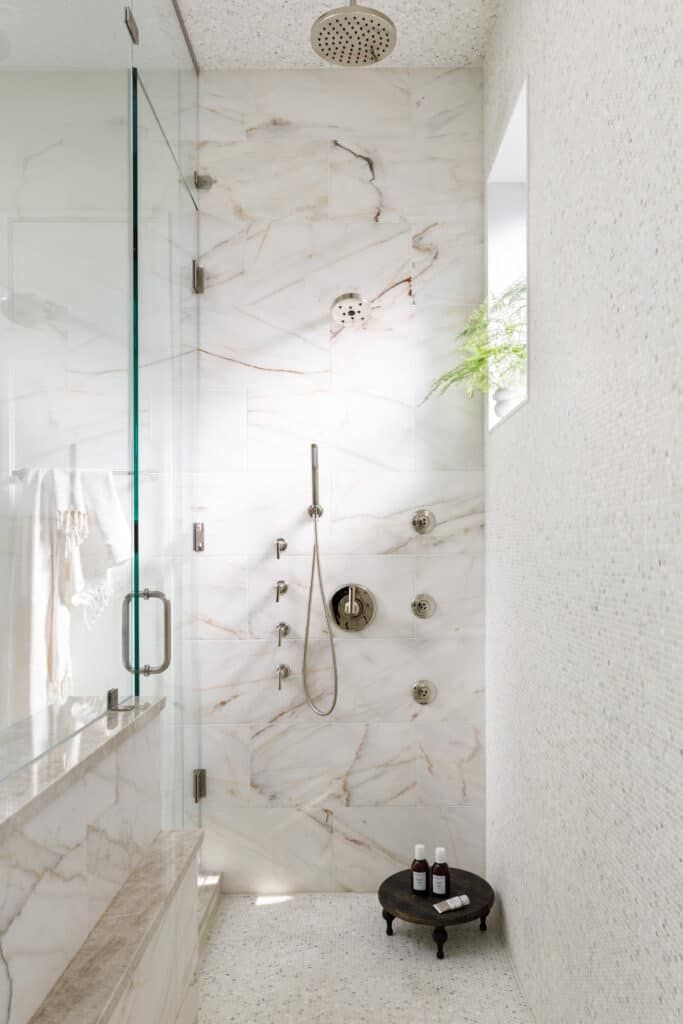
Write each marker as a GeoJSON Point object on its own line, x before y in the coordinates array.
{"type": "Point", "coordinates": [70, 532]}
{"type": "Point", "coordinates": [107, 543]}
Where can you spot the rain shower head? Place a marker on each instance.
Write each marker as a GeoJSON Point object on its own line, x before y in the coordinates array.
{"type": "Point", "coordinates": [353, 36]}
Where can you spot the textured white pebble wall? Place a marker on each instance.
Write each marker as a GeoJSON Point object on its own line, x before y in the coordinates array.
{"type": "Point", "coordinates": [584, 498]}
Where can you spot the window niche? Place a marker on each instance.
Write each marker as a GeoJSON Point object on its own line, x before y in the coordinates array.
{"type": "Point", "coordinates": [507, 214]}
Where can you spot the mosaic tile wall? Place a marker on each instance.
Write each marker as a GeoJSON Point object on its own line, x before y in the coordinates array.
{"type": "Point", "coordinates": [584, 494]}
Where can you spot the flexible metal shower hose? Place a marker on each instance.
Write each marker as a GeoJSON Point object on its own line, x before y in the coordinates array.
{"type": "Point", "coordinates": [315, 567]}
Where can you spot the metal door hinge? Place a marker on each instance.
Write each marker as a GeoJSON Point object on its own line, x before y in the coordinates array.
{"type": "Point", "coordinates": [132, 26]}
{"type": "Point", "coordinates": [198, 543]}
{"type": "Point", "coordinates": [202, 181]}
{"type": "Point", "coordinates": [199, 784]}
{"type": "Point", "coordinates": [197, 278]}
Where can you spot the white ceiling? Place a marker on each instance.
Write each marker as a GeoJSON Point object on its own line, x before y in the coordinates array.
{"type": "Point", "coordinates": [275, 33]}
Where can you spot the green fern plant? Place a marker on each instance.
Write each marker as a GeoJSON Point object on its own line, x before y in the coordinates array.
{"type": "Point", "coordinates": [493, 345]}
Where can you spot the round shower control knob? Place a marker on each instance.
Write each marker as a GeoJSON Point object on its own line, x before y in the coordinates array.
{"type": "Point", "coordinates": [424, 521]}
{"type": "Point", "coordinates": [423, 606]}
{"type": "Point", "coordinates": [353, 607]}
{"type": "Point", "coordinates": [424, 692]}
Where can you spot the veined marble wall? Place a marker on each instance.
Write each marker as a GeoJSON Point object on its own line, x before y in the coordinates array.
{"type": "Point", "coordinates": [328, 182]}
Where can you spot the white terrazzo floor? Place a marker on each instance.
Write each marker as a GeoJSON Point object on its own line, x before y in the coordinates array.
{"type": "Point", "coordinates": [327, 959]}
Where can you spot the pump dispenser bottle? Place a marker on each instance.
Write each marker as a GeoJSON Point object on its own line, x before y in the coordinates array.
{"type": "Point", "coordinates": [441, 876]}
{"type": "Point", "coordinates": [420, 872]}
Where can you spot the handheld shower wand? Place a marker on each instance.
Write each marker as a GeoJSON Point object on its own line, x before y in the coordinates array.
{"type": "Point", "coordinates": [315, 508]}
{"type": "Point", "coordinates": [315, 511]}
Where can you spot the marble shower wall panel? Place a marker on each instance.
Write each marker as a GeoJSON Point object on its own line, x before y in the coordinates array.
{"type": "Point", "coordinates": [326, 182]}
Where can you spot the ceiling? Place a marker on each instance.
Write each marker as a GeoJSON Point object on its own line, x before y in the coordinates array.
{"type": "Point", "coordinates": [275, 33]}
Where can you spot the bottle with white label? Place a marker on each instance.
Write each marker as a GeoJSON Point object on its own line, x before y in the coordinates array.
{"type": "Point", "coordinates": [441, 876]}
{"type": "Point", "coordinates": [420, 871]}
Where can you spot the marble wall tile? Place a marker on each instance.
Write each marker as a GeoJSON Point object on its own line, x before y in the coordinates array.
{"type": "Point", "coordinates": [269, 850]}
{"type": "Point", "coordinates": [377, 677]}
{"type": "Point", "coordinates": [451, 758]}
{"type": "Point", "coordinates": [280, 432]}
{"type": "Point", "coordinates": [456, 584]}
{"type": "Point", "coordinates": [372, 512]}
{"type": "Point", "coordinates": [371, 843]}
{"type": "Point", "coordinates": [221, 431]}
{"type": "Point", "coordinates": [447, 103]}
{"type": "Point", "coordinates": [355, 764]}
{"type": "Point", "coordinates": [221, 597]}
{"type": "Point", "coordinates": [109, 855]}
{"type": "Point", "coordinates": [226, 756]}
{"type": "Point", "coordinates": [44, 876]}
{"type": "Point", "coordinates": [394, 181]}
{"type": "Point", "coordinates": [236, 682]}
{"type": "Point", "coordinates": [186, 937]}
{"type": "Point", "coordinates": [264, 179]}
{"type": "Point", "coordinates": [307, 104]}
{"type": "Point", "coordinates": [220, 502]}
{"type": "Point", "coordinates": [139, 787]}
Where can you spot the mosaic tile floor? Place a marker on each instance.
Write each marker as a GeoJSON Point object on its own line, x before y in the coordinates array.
{"type": "Point", "coordinates": [326, 958]}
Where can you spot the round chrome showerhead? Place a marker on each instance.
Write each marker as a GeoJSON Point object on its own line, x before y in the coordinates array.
{"type": "Point", "coordinates": [350, 310]}
{"type": "Point", "coordinates": [353, 36]}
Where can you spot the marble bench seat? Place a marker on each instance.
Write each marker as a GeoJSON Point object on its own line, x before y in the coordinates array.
{"type": "Point", "coordinates": [139, 963]}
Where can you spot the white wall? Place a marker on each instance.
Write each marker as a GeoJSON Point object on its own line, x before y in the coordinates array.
{"type": "Point", "coordinates": [328, 182]}
{"type": "Point", "coordinates": [584, 558]}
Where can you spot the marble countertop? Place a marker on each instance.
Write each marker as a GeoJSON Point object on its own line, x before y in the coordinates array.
{"type": "Point", "coordinates": [29, 788]}
{"type": "Point", "coordinates": [90, 988]}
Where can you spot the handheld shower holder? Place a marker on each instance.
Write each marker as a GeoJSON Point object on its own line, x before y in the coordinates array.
{"type": "Point", "coordinates": [315, 511]}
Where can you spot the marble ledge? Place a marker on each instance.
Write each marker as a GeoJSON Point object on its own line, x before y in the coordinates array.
{"type": "Point", "coordinates": [29, 789]}
{"type": "Point", "coordinates": [26, 740]}
{"type": "Point", "coordinates": [90, 989]}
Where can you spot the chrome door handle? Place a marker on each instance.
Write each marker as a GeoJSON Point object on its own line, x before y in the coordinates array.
{"type": "Point", "coordinates": [146, 670]}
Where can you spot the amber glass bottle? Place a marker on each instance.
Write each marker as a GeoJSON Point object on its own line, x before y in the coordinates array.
{"type": "Point", "coordinates": [441, 876]}
{"type": "Point", "coordinates": [420, 872]}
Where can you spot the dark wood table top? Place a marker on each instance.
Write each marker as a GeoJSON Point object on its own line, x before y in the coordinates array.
{"type": "Point", "coordinates": [396, 898]}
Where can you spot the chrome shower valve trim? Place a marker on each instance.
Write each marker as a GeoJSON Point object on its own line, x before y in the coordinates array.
{"type": "Point", "coordinates": [282, 672]}
{"type": "Point", "coordinates": [282, 630]}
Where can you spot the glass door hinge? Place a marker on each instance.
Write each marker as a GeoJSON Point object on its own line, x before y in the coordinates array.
{"type": "Point", "coordinates": [197, 278]}
{"type": "Point", "coordinates": [132, 26]}
{"type": "Point", "coordinates": [199, 784]}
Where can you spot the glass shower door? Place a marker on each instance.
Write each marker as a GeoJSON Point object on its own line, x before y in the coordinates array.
{"type": "Point", "coordinates": [166, 217]}
{"type": "Point", "coordinates": [65, 361]}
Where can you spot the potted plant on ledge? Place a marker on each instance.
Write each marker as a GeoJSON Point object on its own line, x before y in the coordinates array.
{"type": "Point", "coordinates": [494, 351]}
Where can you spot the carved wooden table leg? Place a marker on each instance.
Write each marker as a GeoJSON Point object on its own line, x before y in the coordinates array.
{"type": "Point", "coordinates": [482, 923]}
{"type": "Point", "coordinates": [440, 935]}
{"type": "Point", "coordinates": [389, 919]}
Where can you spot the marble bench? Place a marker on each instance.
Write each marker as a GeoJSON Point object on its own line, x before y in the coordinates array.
{"type": "Point", "coordinates": [139, 963]}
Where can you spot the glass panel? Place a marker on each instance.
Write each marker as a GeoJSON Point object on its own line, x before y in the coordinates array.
{"type": "Point", "coordinates": [65, 467]}
{"type": "Point", "coordinates": [167, 237]}
{"type": "Point", "coordinates": [170, 79]}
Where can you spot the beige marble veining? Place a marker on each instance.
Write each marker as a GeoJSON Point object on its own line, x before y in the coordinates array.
{"type": "Point", "coordinates": [26, 791]}
{"type": "Point", "coordinates": [98, 978]}
{"type": "Point", "coordinates": [369, 181]}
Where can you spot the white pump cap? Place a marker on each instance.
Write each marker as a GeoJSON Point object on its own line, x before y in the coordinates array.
{"type": "Point", "coordinates": [440, 855]}
{"type": "Point", "coordinates": [419, 851]}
